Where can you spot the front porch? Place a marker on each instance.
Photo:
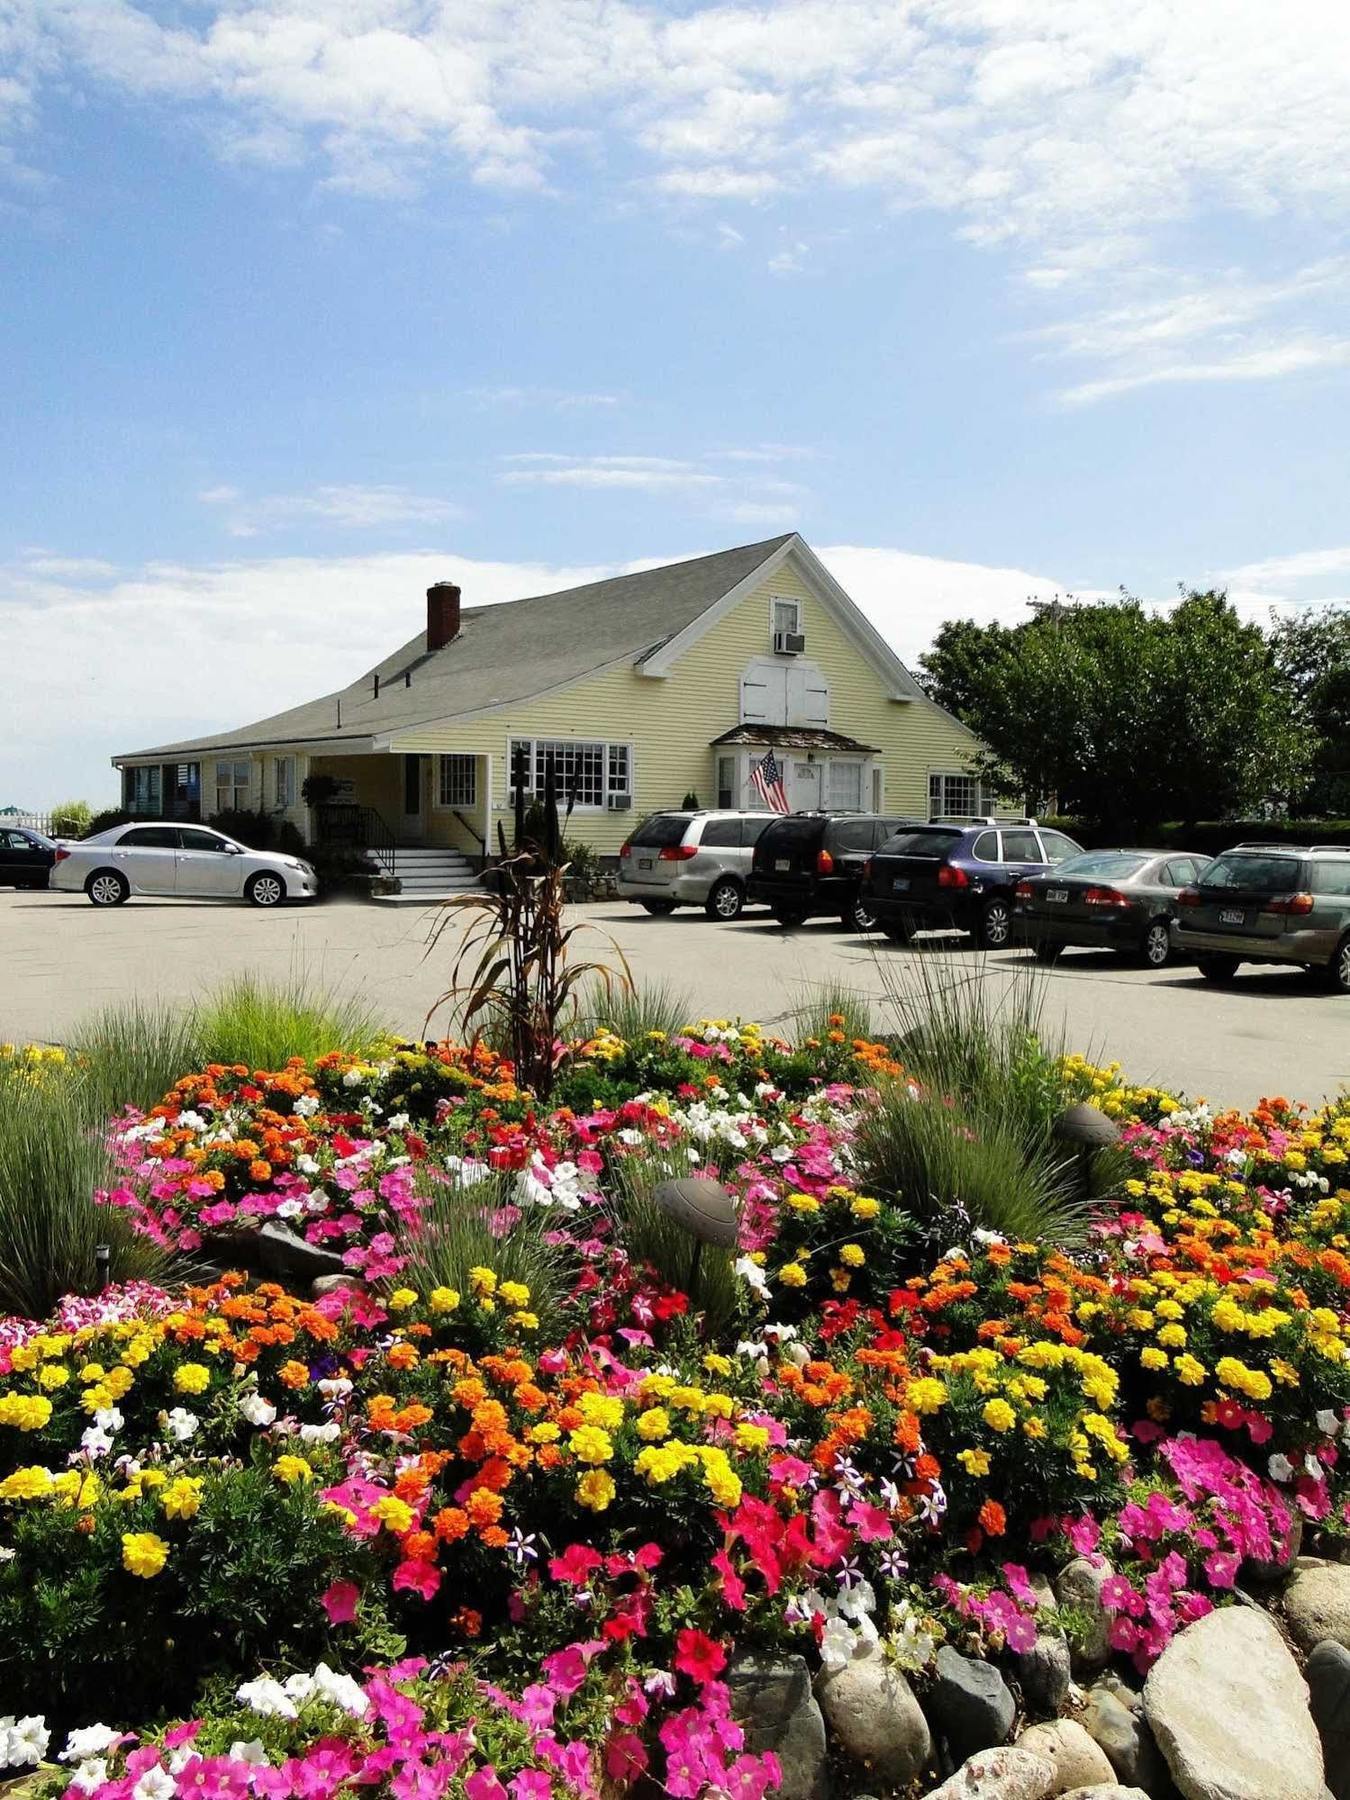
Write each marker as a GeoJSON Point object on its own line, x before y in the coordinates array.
{"type": "Point", "coordinates": [389, 799]}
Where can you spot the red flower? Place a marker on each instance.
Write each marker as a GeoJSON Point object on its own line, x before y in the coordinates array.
{"type": "Point", "coordinates": [698, 1656]}
{"type": "Point", "coordinates": [576, 1565]}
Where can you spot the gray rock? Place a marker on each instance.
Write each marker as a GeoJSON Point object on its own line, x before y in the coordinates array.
{"type": "Point", "coordinates": [329, 1284]}
{"type": "Point", "coordinates": [1317, 1605]}
{"type": "Point", "coordinates": [1076, 1759]}
{"type": "Point", "coordinates": [772, 1699]}
{"type": "Point", "coordinates": [1120, 1689]}
{"type": "Point", "coordinates": [1079, 1586]}
{"type": "Point", "coordinates": [1044, 1671]}
{"type": "Point", "coordinates": [874, 1718]}
{"type": "Point", "coordinates": [1009, 1773]}
{"type": "Point", "coordinates": [1109, 1791]}
{"type": "Point", "coordinates": [1287, 1554]}
{"type": "Point", "coordinates": [1328, 1674]}
{"type": "Point", "coordinates": [283, 1253]}
{"type": "Point", "coordinates": [704, 1207]}
{"type": "Point", "coordinates": [1123, 1735]}
{"type": "Point", "coordinates": [1229, 1710]}
{"type": "Point", "coordinates": [970, 1703]}
{"type": "Point", "coordinates": [1086, 1126]}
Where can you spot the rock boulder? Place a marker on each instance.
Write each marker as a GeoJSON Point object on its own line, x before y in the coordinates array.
{"type": "Point", "coordinates": [1009, 1773]}
{"type": "Point", "coordinates": [970, 1703]}
{"type": "Point", "coordinates": [771, 1697]}
{"type": "Point", "coordinates": [874, 1718]}
{"type": "Point", "coordinates": [1328, 1675]}
{"type": "Point", "coordinates": [1076, 1759]}
{"type": "Point", "coordinates": [1317, 1604]}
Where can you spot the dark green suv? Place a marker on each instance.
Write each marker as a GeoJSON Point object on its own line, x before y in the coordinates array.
{"type": "Point", "coordinates": [1270, 903]}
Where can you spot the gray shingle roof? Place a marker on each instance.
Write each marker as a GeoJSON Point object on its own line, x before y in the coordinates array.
{"type": "Point", "coordinates": [506, 654]}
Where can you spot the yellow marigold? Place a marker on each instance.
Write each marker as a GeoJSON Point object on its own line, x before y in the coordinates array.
{"type": "Point", "coordinates": [53, 1375]}
{"type": "Point", "coordinates": [1190, 1371]}
{"type": "Point", "coordinates": [852, 1256]}
{"type": "Point", "coordinates": [1153, 1358]}
{"type": "Point", "coordinates": [191, 1378]}
{"type": "Point", "coordinates": [482, 1280]}
{"type": "Point", "coordinates": [394, 1513]}
{"type": "Point", "coordinates": [546, 1432]}
{"type": "Point", "coordinates": [974, 1462]}
{"type": "Point", "coordinates": [754, 1438]}
{"type": "Point", "coordinates": [513, 1293]}
{"type": "Point", "coordinates": [182, 1497]}
{"type": "Point", "coordinates": [33, 1483]}
{"type": "Point", "coordinates": [143, 1553]}
{"type": "Point", "coordinates": [589, 1444]}
{"type": "Point", "coordinates": [803, 1203]}
{"type": "Point", "coordinates": [792, 1275]}
{"type": "Point", "coordinates": [925, 1395]}
{"type": "Point", "coordinates": [998, 1415]}
{"type": "Point", "coordinates": [605, 1410]}
{"type": "Point", "coordinates": [291, 1469]}
{"type": "Point", "coordinates": [864, 1207]}
{"type": "Point", "coordinates": [443, 1299]}
{"type": "Point", "coordinates": [595, 1490]}
{"type": "Point", "coordinates": [402, 1298]}
{"type": "Point", "coordinates": [27, 1412]}
{"type": "Point", "coordinates": [653, 1425]}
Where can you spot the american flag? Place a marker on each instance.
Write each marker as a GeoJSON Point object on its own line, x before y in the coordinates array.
{"type": "Point", "coordinates": [767, 780]}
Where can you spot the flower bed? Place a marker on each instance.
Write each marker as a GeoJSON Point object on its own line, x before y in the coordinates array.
{"type": "Point", "coordinates": [508, 1532]}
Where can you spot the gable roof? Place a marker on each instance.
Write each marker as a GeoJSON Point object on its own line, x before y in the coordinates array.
{"type": "Point", "coordinates": [506, 653]}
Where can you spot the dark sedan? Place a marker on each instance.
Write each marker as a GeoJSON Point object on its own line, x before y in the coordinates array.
{"type": "Point", "coordinates": [26, 857]}
{"type": "Point", "coordinates": [1121, 900]}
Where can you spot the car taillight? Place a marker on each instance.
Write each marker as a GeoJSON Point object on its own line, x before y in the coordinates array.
{"type": "Point", "coordinates": [1022, 891]}
{"type": "Point", "coordinates": [1291, 905]}
{"type": "Point", "coordinates": [625, 850]}
{"type": "Point", "coordinates": [1105, 896]}
{"type": "Point", "coordinates": [950, 876]}
{"type": "Point", "coordinates": [678, 853]}
{"type": "Point", "coordinates": [1189, 897]}
{"type": "Point", "coordinates": [61, 854]}
{"type": "Point", "coordinates": [824, 863]}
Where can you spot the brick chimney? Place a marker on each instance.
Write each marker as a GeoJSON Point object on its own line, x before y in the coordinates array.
{"type": "Point", "coordinates": [442, 614]}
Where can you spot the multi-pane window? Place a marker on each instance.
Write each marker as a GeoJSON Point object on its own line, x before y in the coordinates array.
{"type": "Point", "coordinates": [456, 781]}
{"type": "Point", "coordinates": [143, 790]}
{"type": "Point", "coordinates": [787, 616]}
{"type": "Point", "coordinates": [954, 796]}
{"type": "Point", "coordinates": [283, 782]}
{"type": "Point", "coordinates": [845, 786]}
{"type": "Point", "coordinates": [232, 785]}
{"type": "Point", "coordinates": [590, 771]}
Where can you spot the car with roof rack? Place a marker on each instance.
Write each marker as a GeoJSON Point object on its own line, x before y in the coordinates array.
{"type": "Point", "coordinates": [809, 864]}
{"type": "Point", "coordinates": [1270, 903]}
{"type": "Point", "coordinates": [959, 873]}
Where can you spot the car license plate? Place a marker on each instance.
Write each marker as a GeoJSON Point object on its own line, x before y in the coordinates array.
{"type": "Point", "coordinates": [782, 865]}
{"type": "Point", "coordinates": [1231, 916]}
{"type": "Point", "coordinates": [644, 862]}
{"type": "Point", "coordinates": [901, 884]}
{"type": "Point", "coordinates": [1057, 895]}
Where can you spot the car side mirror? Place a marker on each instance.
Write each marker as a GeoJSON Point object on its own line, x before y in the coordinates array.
{"type": "Point", "coordinates": [234, 849]}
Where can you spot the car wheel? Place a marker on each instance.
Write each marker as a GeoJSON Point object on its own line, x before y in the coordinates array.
{"type": "Point", "coordinates": [788, 917]}
{"type": "Point", "coordinates": [1217, 968]}
{"type": "Point", "coordinates": [899, 931]}
{"type": "Point", "coordinates": [725, 901]}
{"type": "Point", "coordinates": [1048, 953]}
{"type": "Point", "coordinates": [658, 908]}
{"type": "Point", "coordinates": [1155, 947]}
{"type": "Point", "coordinates": [1340, 967]}
{"type": "Point", "coordinates": [266, 889]}
{"type": "Point", "coordinates": [858, 915]}
{"type": "Point", "coordinates": [105, 887]}
{"type": "Point", "coordinates": [995, 931]}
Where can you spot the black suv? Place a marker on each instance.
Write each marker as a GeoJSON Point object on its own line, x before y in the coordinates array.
{"type": "Point", "coordinates": [1270, 903]}
{"type": "Point", "coordinates": [959, 873]}
{"type": "Point", "coordinates": [808, 864]}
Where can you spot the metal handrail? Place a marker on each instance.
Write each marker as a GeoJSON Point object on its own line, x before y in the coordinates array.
{"type": "Point", "coordinates": [477, 836]}
{"type": "Point", "coordinates": [360, 826]}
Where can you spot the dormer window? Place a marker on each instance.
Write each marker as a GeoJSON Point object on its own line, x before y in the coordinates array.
{"type": "Point", "coordinates": [787, 616]}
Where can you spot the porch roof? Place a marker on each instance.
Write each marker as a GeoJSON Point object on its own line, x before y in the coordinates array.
{"type": "Point", "coordinates": [793, 737]}
{"type": "Point", "coordinates": [501, 655]}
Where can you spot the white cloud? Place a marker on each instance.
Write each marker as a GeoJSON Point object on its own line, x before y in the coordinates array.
{"type": "Point", "coordinates": [1278, 572]}
{"type": "Point", "coordinates": [1263, 363]}
{"type": "Point", "coordinates": [521, 399]}
{"type": "Point", "coordinates": [342, 504]}
{"type": "Point", "coordinates": [746, 495]}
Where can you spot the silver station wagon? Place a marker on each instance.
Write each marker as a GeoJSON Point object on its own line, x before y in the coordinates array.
{"type": "Point", "coordinates": [191, 861]}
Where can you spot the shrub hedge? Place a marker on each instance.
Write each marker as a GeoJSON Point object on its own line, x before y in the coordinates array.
{"type": "Point", "coordinates": [1210, 836]}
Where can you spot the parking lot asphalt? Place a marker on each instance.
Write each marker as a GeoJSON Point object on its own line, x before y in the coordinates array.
{"type": "Point", "coordinates": [1273, 1031]}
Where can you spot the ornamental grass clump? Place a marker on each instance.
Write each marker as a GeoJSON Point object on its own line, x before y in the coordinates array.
{"type": "Point", "coordinates": [264, 1024]}
{"type": "Point", "coordinates": [52, 1161]}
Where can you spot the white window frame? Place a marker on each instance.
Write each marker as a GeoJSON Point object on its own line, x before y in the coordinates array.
{"type": "Point", "coordinates": [453, 793]}
{"type": "Point", "coordinates": [283, 782]}
{"type": "Point", "coordinates": [614, 756]}
{"type": "Point", "coordinates": [777, 600]}
{"type": "Point", "coordinates": [938, 807]}
{"type": "Point", "coordinates": [828, 798]}
{"type": "Point", "coordinates": [145, 795]}
{"type": "Point", "coordinates": [232, 794]}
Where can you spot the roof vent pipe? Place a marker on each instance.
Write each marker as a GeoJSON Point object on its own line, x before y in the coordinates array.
{"type": "Point", "coordinates": [442, 614]}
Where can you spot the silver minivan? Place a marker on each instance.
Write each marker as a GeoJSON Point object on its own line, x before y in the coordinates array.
{"type": "Point", "coordinates": [691, 859]}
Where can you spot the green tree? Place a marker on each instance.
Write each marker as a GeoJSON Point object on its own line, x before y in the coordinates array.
{"type": "Point", "coordinates": [1312, 653]}
{"type": "Point", "coordinates": [1122, 714]}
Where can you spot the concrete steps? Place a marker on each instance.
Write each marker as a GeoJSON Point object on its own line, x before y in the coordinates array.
{"type": "Point", "coordinates": [425, 873]}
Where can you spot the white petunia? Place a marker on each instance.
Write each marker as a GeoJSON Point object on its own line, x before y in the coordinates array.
{"type": "Point", "coordinates": [24, 1741]}
{"type": "Point", "coordinates": [181, 1424]}
{"type": "Point", "coordinates": [268, 1697]}
{"type": "Point", "coordinates": [89, 1740]}
{"type": "Point", "coordinates": [1281, 1469]}
{"type": "Point", "coordinates": [257, 1410]}
{"type": "Point", "coordinates": [155, 1784]}
{"type": "Point", "coordinates": [91, 1774]}
{"type": "Point", "coordinates": [250, 1752]}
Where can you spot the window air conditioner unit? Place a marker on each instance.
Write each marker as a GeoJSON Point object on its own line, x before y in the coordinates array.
{"type": "Point", "coordinates": [619, 802]}
{"type": "Point", "coordinates": [789, 643]}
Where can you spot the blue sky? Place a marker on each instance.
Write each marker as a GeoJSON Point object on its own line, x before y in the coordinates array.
{"type": "Point", "coordinates": [308, 301]}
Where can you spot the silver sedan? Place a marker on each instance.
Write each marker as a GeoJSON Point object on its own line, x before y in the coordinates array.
{"type": "Point", "coordinates": [188, 860]}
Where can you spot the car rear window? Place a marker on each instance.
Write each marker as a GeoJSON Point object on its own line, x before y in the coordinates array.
{"type": "Point", "coordinates": [852, 834]}
{"type": "Point", "coordinates": [920, 843]}
{"type": "Point", "coordinates": [661, 831]}
{"type": "Point", "coordinates": [1103, 865]}
{"type": "Point", "coordinates": [1262, 874]}
{"type": "Point", "coordinates": [791, 834]}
